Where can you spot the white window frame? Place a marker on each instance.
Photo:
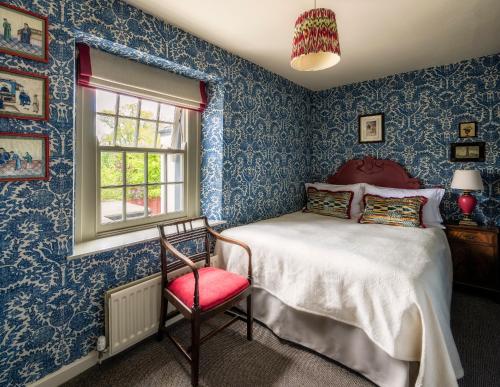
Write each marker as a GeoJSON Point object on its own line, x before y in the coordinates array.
{"type": "Point", "coordinates": [87, 156]}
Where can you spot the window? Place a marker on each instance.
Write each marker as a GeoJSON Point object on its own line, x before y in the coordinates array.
{"type": "Point", "coordinates": [137, 163]}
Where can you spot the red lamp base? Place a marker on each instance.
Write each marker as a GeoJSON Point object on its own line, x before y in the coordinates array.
{"type": "Point", "coordinates": [466, 203]}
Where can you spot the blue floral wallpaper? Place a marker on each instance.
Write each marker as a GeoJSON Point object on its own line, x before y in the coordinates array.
{"type": "Point", "coordinates": [254, 163]}
{"type": "Point", "coordinates": [262, 138]}
{"type": "Point", "coordinates": [422, 110]}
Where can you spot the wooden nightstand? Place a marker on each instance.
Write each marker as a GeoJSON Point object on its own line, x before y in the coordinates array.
{"type": "Point", "coordinates": [474, 251]}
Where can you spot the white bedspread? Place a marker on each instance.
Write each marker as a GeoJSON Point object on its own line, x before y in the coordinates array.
{"type": "Point", "coordinates": [392, 282]}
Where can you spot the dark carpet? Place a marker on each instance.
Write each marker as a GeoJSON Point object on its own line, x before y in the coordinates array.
{"type": "Point", "coordinates": [228, 359]}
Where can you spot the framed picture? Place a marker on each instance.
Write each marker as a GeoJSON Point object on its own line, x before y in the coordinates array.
{"type": "Point", "coordinates": [24, 156]}
{"type": "Point", "coordinates": [23, 33]}
{"type": "Point", "coordinates": [467, 129]}
{"type": "Point", "coordinates": [23, 95]}
{"type": "Point", "coordinates": [467, 151]}
{"type": "Point", "coordinates": [371, 128]}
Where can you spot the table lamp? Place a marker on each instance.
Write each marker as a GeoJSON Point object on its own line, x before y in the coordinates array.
{"type": "Point", "coordinates": [467, 180]}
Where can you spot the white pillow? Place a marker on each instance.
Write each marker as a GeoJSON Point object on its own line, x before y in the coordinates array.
{"type": "Point", "coordinates": [431, 217]}
{"type": "Point", "coordinates": [357, 199]}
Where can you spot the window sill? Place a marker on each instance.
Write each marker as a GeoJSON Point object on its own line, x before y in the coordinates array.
{"type": "Point", "coordinates": [103, 245]}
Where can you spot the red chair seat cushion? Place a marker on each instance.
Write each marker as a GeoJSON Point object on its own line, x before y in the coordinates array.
{"type": "Point", "coordinates": [215, 287]}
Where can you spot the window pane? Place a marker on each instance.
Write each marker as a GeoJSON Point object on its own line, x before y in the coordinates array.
{"type": "Point", "coordinates": [111, 205]}
{"type": "Point", "coordinates": [105, 102]}
{"type": "Point", "coordinates": [135, 202]}
{"type": "Point", "coordinates": [175, 198]}
{"type": "Point", "coordinates": [111, 168]}
{"type": "Point", "coordinates": [125, 132]}
{"type": "Point", "coordinates": [167, 113]}
{"type": "Point", "coordinates": [175, 168]}
{"type": "Point", "coordinates": [129, 106]}
{"type": "Point", "coordinates": [135, 168]}
{"type": "Point", "coordinates": [156, 199]}
{"type": "Point", "coordinates": [164, 136]}
{"type": "Point", "coordinates": [147, 131]}
{"type": "Point", "coordinates": [178, 138]}
{"type": "Point", "coordinates": [105, 129]}
{"type": "Point", "coordinates": [149, 110]}
{"type": "Point", "coordinates": [156, 168]}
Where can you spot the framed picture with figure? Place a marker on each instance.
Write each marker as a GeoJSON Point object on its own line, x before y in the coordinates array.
{"type": "Point", "coordinates": [23, 95]}
{"type": "Point", "coordinates": [23, 33]}
{"type": "Point", "coordinates": [467, 129]}
{"type": "Point", "coordinates": [24, 156]}
{"type": "Point", "coordinates": [371, 128]}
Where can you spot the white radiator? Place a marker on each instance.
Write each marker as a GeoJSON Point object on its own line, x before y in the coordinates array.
{"type": "Point", "coordinates": [132, 313]}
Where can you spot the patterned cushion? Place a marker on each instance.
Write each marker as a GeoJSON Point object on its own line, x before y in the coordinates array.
{"type": "Point", "coordinates": [323, 202]}
{"type": "Point", "coordinates": [405, 212]}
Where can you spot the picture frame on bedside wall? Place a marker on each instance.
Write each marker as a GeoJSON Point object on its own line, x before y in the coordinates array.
{"type": "Point", "coordinates": [23, 95]}
{"type": "Point", "coordinates": [23, 33]}
{"type": "Point", "coordinates": [468, 152]}
{"type": "Point", "coordinates": [467, 129]}
{"type": "Point", "coordinates": [371, 128]}
{"type": "Point", "coordinates": [24, 156]}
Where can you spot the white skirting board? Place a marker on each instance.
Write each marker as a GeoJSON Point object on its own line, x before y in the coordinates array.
{"type": "Point", "coordinates": [69, 371]}
{"type": "Point", "coordinates": [62, 375]}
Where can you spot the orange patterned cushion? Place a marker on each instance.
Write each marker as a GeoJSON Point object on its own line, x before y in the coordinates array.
{"type": "Point", "coordinates": [324, 202]}
{"type": "Point", "coordinates": [404, 212]}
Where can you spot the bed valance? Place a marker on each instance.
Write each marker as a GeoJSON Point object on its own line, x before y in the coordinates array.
{"type": "Point", "coordinates": [98, 69]}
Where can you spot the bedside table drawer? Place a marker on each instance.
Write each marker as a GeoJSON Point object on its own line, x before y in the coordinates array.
{"type": "Point", "coordinates": [485, 238]}
{"type": "Point", "coordinates": [474, 250]}
{"type": "Point", "coordinates": [475, 265]}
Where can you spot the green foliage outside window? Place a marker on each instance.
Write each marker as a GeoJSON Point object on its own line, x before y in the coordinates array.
{"type": "Point", "coordinates": [111, 172]}
{"type": "Point", "coordinates": [112, 162]}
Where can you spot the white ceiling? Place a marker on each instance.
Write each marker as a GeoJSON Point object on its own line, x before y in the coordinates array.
{"type": "Point", "coordinates": [377, 37]}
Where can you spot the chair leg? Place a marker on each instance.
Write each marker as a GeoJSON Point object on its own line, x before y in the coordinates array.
{"type": "Point", "coordinates": [249, 318]}
{"type": "Point", "coordinates": [163, 318]}
{"type": "Point", "coordinates": [195, 349]}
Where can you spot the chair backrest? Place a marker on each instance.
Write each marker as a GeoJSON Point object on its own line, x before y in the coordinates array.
{"type": "Point", "coordinates": [182, 233]}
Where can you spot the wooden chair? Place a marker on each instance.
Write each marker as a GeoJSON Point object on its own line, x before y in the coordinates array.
{"type": "Point", "coordinates": [204, 292]}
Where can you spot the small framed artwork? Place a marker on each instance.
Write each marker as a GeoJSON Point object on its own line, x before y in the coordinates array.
{"type": "Point", "coordinates": [467, 129]}
{"type": "Point", "coordinates": [23, 95]}
{"type": "Point", "coordinates": [23, 33]}
{"type": "Point", "coordinates": [467, 151]}
{"type": "Point", "coordinates": [24, 157]}
{"type": "Point", "coordinates": [371, 128]}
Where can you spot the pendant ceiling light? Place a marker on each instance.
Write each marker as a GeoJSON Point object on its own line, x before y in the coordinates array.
{"type": "Point", "coordinates": [315, 41]}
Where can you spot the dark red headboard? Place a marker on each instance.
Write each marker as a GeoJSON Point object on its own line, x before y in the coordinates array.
{"type": "Point", "coordinates": [384, 173]}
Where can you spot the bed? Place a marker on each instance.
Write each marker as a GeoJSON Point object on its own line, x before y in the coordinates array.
{"type": "Point", "coordinates": [375, 298]}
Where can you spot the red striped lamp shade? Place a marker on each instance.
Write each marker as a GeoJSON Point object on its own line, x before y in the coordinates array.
{"type": "Point", "coordinates": [315, 41]}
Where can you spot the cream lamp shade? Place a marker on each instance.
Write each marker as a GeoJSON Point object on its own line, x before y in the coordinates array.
{"type": "Point", "coordinates": [467, 180]}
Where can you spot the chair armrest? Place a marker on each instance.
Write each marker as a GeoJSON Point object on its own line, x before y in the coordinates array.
{"type": "Point", "coordinates": [177, 254]}
{"type": "Point", "coordinates": [234, 242]}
